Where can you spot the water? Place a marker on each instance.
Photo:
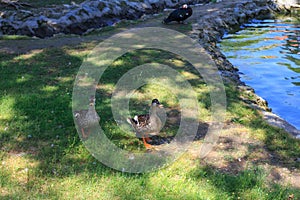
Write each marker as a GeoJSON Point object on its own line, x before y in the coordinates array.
{"type": "Point", "coordinates": [267, 54]}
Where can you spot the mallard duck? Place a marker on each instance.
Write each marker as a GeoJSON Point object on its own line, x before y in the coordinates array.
{"type": "Point", "coordinates": [86, 119]}
{"type": "Point", "coordinates": [179, 14]}
{"type": "Point", "coordinates": [148, 124]}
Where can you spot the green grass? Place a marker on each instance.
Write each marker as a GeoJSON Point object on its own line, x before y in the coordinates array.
{"type": "Point", "coordinates": [14, 37]}
{"type": "Point", "coordinates": [42, 156]}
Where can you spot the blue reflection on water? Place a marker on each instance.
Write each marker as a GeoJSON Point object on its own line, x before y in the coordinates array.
{"type": "Point", "coordinates": [267, 53]}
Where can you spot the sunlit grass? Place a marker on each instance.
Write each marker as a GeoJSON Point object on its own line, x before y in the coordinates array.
{"type": "Point", "coordinates": [15, 37]}
{"type": "Point", "coordinates": [166, 89]}
{"type": "Point", "coordinates": [42, 156]}
{"type": "Point", "coordinates": [6, 107]}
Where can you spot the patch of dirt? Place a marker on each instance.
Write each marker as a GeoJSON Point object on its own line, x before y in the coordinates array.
{"type": "Point", "coordinates": [237, 151]}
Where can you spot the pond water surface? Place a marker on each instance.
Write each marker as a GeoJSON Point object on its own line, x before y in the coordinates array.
{"type": "Point", "coordinates": [267, 54]}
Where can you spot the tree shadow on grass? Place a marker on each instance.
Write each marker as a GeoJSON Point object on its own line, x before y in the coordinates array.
{"type": "Point", "coordinates": [277, 142]}
{"type": "Point", "coordinates": [36, 94]}
{"type": "Point", "coordinates": [247, 184]}
{"type": "Point", "coordinates": [240, 162]}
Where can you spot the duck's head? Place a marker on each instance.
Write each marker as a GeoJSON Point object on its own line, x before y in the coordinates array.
{"type": "Point", "coordinates": [155, 102]}
{"type": "Point", "coordinates": [185, 6]}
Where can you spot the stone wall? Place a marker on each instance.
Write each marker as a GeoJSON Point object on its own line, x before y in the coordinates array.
{"type": "Point", "coordinates": [78, 18]}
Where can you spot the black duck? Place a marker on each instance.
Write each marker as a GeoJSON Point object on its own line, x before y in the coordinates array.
{"type": "Point", "coordinates": [179, 14]}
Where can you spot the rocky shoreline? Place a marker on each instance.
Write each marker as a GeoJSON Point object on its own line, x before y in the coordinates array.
{"type": "Point", "coordinates": [210, 22]}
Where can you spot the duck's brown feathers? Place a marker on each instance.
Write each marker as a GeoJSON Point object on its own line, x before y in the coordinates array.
{"type": "Point", "coordinates": [148, 124]}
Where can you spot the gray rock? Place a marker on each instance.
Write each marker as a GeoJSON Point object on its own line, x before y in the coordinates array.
{"type": "Point", "coordinates": [275, 120]}
{"type": "Point", "coordinates": [153, 1]}
{"type": "Point", "coordinates": [27, 28]}
{"type": "Point", "coordinates": [44, 30]}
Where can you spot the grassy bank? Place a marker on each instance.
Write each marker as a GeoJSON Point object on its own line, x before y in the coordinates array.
{"type": "Point", "coordinates": [42, 156]}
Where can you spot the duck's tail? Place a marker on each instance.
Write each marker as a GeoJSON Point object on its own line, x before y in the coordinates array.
{"type": "Point", "coordinates": [132, 121]}
{"type": "Point", "coordinates": [129, 120]}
